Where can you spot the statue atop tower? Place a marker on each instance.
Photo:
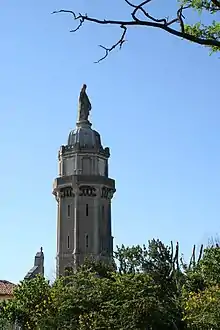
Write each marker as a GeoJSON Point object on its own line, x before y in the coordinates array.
{"type": "Point", "coordinates": [84, 106]}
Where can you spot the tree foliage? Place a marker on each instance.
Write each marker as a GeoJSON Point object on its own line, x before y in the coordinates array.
{"type": "Point", "coordinates": [146, 288]}
{"type": "Point", "coordinates": [32, 301]}
{"type": "Point", "coordinates": [201, 292]}
{"type": "Point", "coordinates": [204, 31]}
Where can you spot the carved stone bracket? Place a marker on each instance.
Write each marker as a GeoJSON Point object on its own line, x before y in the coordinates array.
{"type": "Point", "coordinates": [87, 191]}
{"type": "Point", "coordinates": [107, 193]}
{"type": "Point", "coordinates": [66, 192]}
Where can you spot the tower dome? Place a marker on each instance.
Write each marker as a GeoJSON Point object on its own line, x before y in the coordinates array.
{"type": "Point", "coordinates": [84, 136]}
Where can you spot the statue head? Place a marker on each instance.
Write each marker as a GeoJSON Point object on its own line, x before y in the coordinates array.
{"type": "Point", "coordinates": [84, 87]}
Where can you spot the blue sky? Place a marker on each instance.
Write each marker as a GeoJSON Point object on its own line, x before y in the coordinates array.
{"type": "Point", "coordinates": [154, 103]}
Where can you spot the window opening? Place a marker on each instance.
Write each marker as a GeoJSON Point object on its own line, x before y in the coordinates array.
{"type": "Point", "coordinates": [87, 240]}
{"type": "Point", "coordinates": [68, 210]}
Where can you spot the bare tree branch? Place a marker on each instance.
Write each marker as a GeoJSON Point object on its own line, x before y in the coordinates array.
{"type": "Point", "coordinates": [78, 27]}
{"type": "Point", "coordinates": [181, 17]}
{"type": "Point", "coordinates": [118, 43]}
{"type": "Point", "coordinates": [147, 20]}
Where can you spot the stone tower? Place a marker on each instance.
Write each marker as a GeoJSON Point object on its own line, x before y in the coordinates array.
{"type": "Point", "coordinates": [83, 192]}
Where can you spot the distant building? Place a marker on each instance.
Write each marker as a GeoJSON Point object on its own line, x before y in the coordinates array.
{"type": "Point", "coordinates": [6, 290]}
{"type": "Point", "coordinates": [38, 266]}
{"type": "Point", "coordinates": [6, 293]}
{"type": "Point", "coordinates": [83, 191]}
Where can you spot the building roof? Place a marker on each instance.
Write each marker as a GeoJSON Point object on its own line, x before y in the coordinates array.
{"type": "Point", "coordinates": [6, 288]}
{"type": "Point", "coordinates": [32, 272]}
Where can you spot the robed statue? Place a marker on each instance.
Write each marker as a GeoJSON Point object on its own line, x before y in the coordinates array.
{"type": "Point", "coordinates": [84, 105]}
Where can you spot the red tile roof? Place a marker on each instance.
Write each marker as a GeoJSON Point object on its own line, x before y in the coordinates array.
{"type": "Point", "coordinates": [6, 287]}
